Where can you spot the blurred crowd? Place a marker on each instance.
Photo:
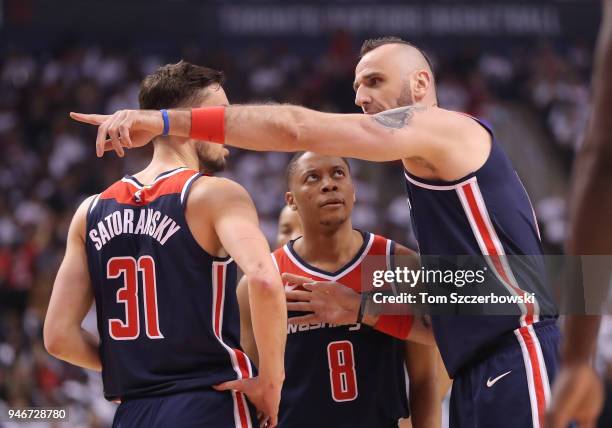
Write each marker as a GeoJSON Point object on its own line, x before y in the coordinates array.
{"type": "Point", "coordinates": [48, 164]}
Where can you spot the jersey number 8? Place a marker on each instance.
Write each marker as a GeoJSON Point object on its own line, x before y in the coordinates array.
{"type": "Point", "coordinates": [129, 267]}
{"type": "Point", "coordinates": [342, 375]}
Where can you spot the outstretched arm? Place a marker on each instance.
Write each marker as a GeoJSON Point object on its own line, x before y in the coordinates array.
{"type": "Point", "coordinates": [71, 298]}
{"type": "Point", "coordinates": [428, 132]}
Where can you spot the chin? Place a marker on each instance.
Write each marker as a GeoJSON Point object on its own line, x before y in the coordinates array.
{"type": "Point", "coordinates": [333, 221]}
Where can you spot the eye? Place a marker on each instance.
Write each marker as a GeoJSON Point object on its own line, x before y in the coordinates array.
{"type": "Point", "coordinates": [311, 177]}
{"type": "Point", "coordinates": [339, 173]}
{"type": "Point", "coordinates": [374, 81]}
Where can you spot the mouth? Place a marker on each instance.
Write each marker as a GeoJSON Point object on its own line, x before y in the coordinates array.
{"type": "Point", "coordinates": [371, 110]}
{"type": "Point", "coordinates": [336, 202]}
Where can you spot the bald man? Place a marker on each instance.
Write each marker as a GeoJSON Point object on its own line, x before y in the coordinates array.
{"type": "Point", "coordinates": [465, 199]}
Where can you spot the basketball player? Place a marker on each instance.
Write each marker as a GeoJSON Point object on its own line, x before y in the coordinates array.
{"type": "Point", "coordinates": [465, 199]}
{"type": "Point", "coordinates": [289, 226]}
{"type": "Point", "coordinates": [578, 392]}
{"type": "Point", "coordinates": [352, 373]}
{"type": "Point", "coordinates": [156, 250]}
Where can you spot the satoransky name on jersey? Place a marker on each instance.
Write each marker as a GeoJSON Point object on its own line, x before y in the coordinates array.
{"type": "Point", "coordinates": [298, 328]}
{"type": "Point", "coordinates": [121, 222]}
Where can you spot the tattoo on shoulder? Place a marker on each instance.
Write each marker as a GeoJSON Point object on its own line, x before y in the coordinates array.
{"type": "Point", "coordinates": [397, 118]}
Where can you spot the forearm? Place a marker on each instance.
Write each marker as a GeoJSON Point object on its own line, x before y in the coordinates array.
{"type": "Point", "coordinates": [77, 346]}
{"type": "Point", "coordinates": [265, 127]}
{"type": "Point", "coordinates": [286, 128]}
{"type": "Point", "coordinates": [269, 321]}
{"type": "Point", "coordinates": [422, 366]}
{"type": "Point", "coordinates": [580, 338]}
{"type": "Point", "coordinates": [247, 341]}
{"type": "Point", "coordinates": [253, 127]}
{"type": "Point", "coordinates": [425, 404]}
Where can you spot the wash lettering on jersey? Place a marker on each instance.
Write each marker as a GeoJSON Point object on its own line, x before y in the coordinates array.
{"type": "Point", "coordinates": [144, 221]}
{"type": "Point", "coordinates": [299, 328]}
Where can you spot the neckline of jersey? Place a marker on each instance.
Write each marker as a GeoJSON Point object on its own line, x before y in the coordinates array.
{"type": "Point", "coordinates": [364, 245]}
{"type": "Point", "coordinates": [159, 177]}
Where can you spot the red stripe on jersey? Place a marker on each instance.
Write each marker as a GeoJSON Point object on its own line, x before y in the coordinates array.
{"type": "Point", "coordinates": [125, 193]}
{"type": "Point", "coordinates": [492, 250]}
{"type": "Point", "coordinates": [242, 411]}
{"type": "Point", "coordinates": [240, 362]}
{"type": "Point", "coordinates": [536, 371]}
{"type": "Point", "coordinates": [219, 300]}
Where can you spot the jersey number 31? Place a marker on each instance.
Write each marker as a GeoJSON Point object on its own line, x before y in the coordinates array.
{"type": "Point", "coordinates": [129, 267]}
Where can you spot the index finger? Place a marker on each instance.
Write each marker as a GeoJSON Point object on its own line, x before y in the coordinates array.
{"type": "Point", "coordinates": [92, 119]}
{"type": "Point", "coordinates": [235, 385]}
{"type": "Point", "coordinates": [295, 279]}
{"type": "Point", "coordinates": [320, 285]}
{"type": "Point", "coordinates": [298, 295]}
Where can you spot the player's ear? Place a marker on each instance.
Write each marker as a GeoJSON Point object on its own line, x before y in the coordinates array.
{"type": "Point", "coordinates": [290, 201]}
{"type": "Point", "coordinates": [421, 81]}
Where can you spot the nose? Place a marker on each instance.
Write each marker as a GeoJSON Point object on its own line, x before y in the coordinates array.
{"type": "Point", "coordinates": [329, 185]}
{"type": "Point", "coordinates": [362, 98]}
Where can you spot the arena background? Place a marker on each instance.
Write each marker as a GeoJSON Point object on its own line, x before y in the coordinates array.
{"type": "Point", "coordinates": [524, 66]}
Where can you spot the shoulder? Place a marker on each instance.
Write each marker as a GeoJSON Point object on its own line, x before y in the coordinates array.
{"type": "Point", "coordinates": [79, 220]}
{"type": "Point", "coordinates": [85, 206]}
{"type": "Point", "coordinates": [455, 126]}
{"type": "Point", "coordinates": [207, 189]}
{"type": "Point", "coordinates": [392, 246]}
{"type": "Point", "coordinates": [280, 251]}
{"type": "Point", "coordinates": [401, 250]}
{"type": "Point", "coordinates": [278, 255]}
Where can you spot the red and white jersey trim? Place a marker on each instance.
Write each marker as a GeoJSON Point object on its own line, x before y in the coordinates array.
{"type": "Point", "coordinates": [537, 375]}
{"type": "Point", "coordinates": [160, 177]}
{"type": "Point", "coordinates": [339, 275]}
{"type": "Point", "coordinates": [240, 362]}
{"type": "Point", "coordinates": [490, 245]}
{"type": "Point", "coordinates": [186, 186]}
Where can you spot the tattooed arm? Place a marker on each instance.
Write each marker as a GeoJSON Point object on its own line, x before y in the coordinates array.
{"type": "Point", "coordinates": [430, 133]}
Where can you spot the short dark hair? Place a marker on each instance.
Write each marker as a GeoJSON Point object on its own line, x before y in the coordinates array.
{"type": "Point", "coordinates": [370, 44]}
{"type": "Point", "coordinates": [293, 164]}
{"type": "Point", "coordinates": [176, 85]}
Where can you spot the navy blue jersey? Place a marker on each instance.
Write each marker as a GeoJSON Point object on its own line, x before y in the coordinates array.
{"type": "Point", "coordinates": [166, 310]}
{"type": "Point", "coordinates": [337, 376]}
{"type": "Point", "coordinates": [487, 213]}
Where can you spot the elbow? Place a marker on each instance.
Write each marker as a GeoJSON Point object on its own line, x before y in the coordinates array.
{"type": "Point", "coordinates": [263, 282]}
{"type": "Point", "coordinates": [53, 339]}
{"type": "Point", "coordinates": [56, 336]}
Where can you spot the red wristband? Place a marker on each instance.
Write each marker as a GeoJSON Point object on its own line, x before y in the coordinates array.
{"type": "Point", "coordinates": [208, 124]}
{"type": "Point", "coordinates": [395, 325]}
